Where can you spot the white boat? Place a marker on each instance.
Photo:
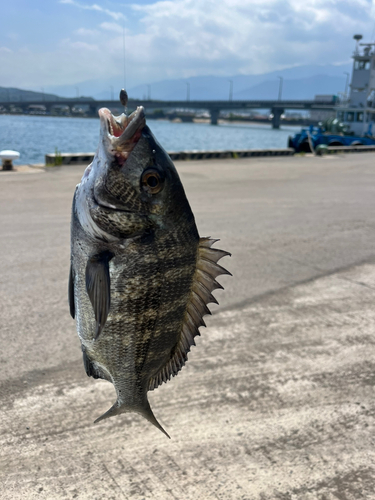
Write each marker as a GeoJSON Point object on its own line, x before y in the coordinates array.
{"type": "Point", "coordinates": [357, 111]}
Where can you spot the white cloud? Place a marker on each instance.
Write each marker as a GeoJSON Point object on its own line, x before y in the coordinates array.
{"type": "Point", "coordinates": [83, 46]}
{"type": "Point", "coordinates": [115, 15]}
{"type": "Point", "coordinates": [254, 36]}
{"type": "Point", "coordinates": [84, 32]}
{"type": "Point", "coordinates": [6, 50]}
{"type": "Point", "coordinates": [113, 27]}
{"type": "Point", "coordinates": [182, 38]}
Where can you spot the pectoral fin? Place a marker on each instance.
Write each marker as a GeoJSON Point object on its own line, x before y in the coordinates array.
{"type": "Point", "coordinates": [71, 293]}
{"type": "Point", "coordinates": [90, 368]}
{"type": "Point", "coordinates": [98, 287]}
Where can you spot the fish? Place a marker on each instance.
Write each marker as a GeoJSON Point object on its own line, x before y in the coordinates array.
{"type": "Point", "coordinates": [140, 275]}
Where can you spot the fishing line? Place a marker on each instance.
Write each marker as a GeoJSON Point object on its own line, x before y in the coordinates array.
{"type": "Point", "coordinates": [124, 53]}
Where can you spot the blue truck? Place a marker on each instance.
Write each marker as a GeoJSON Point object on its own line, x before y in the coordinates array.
{"type": "Point", "coordinates": [318, 135]}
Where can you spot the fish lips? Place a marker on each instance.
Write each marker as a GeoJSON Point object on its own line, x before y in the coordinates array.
{"type": "Point", "coordinates": [121, 133]}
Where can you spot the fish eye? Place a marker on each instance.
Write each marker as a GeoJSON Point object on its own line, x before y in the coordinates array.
{"type": "Point", "coordinates": [151, 181]}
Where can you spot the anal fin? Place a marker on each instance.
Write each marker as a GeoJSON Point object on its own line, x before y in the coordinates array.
{"type": "Point", "coordinates": [90, 369]}
{"type": "Point", "coordinates": [98, 287]}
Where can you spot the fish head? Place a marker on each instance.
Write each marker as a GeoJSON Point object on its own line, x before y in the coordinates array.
{"type": "Point", "coordinates": [132, 176]}
{"type": "Point", "coordinates": [154, 177]}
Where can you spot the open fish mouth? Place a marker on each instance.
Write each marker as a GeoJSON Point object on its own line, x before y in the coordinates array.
{"type": "Point", "coordinates": [122, 131]}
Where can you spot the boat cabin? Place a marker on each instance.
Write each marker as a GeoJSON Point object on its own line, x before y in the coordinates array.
{"type": "Point", "coordinates": [358, 112]}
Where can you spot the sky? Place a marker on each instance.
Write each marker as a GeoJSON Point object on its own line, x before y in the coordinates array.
{"type": "Point", "coordinates": [49, 43]}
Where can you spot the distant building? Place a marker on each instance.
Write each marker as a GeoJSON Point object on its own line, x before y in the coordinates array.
{"type": "Point", "coordinates": [36, 109]}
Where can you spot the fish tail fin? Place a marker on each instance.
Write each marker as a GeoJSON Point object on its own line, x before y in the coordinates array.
{"type": "Point", "coordinates": [146, 412]}
{"type": "Point", "coordinates": [143, 409]}
{"type": "Point", "coordinates": [114, 410]}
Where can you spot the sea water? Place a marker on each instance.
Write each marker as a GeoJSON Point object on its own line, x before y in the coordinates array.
{"type": "Point", "coordinates": [35, 136]}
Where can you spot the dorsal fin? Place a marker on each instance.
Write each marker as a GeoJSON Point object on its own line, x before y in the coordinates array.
{"type": "Point", "coordinates": [206, 270]}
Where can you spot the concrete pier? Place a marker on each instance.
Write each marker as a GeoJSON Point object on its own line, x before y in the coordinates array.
{"type": "Point", "coordinates": [277, 400]}
{"type": "Point", "coordinates": [276, 119]}
{"type": "Point", "coordinates": [214, 114]}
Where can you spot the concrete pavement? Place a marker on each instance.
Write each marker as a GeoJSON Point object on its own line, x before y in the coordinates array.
{"type": "Point", "coordinates": [277, 399]}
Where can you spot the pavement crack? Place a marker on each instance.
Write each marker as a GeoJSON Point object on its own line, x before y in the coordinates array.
{"type": "Point", "coordinates": [345, 278]}
{"type": "Point", "coordinates": [114, 480]}
{"type": "Point", "coordinates": [360, 283]}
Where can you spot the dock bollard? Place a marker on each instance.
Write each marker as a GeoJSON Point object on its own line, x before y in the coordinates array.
{"type": "Point", "coordinates": [7, 157]}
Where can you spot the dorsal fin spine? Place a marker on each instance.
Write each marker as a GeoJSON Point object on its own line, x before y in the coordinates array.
{"type": "Point", "coordinates": [195, 315]}
{"type": "Point", "coordinates": [212, 254]}
{"type": "Point", "coordinates": [185, 343]}
{"type": "Point", "coordinates": [204, 293]}
{"type": "Point", "coordinates": [207, 242]}
{"type": "Point", "coordinates": [191, 324]}
{"type": "Point", "coordinates": [211, 268]}
{"type": "Point", "coordinates": [207, 280]}
{"type": "Point", "coordinates": [199, 303]}
{"type": "Point", "coordinates": [188, 334]}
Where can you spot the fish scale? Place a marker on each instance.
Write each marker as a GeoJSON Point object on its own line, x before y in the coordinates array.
{"type": "Point", "coordinates": [141, 276]}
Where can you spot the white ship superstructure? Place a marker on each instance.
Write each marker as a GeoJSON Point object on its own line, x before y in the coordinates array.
{"type": "Point", "coordinates": [358, 113]}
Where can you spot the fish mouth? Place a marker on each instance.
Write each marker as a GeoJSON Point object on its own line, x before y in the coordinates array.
{"type": "Point", "coordinates": [109, 206]}
{"type": "Point", "coordinates": [123, 132]}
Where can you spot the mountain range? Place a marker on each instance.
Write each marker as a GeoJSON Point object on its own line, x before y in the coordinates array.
{"type": "Point", "coordinates": [300, 82]}
{"type": "Point", "coordinates": [16, 94]}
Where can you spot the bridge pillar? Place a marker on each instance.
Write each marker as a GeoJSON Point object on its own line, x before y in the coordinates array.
{"type": "Point", "coordinates": [214, 116]}
{"type": "Point", "coordinates": [93, 111]}
{"type": "Point", "coordinates": [277, 112]}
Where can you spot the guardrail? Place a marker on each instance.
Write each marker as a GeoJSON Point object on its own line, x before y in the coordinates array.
{"type": "Point", "coordinates": [349, 149]}
{"type": "Point", "coordinates": [68, 158]}
{"type": "Point", "coordinates": [75, 158]}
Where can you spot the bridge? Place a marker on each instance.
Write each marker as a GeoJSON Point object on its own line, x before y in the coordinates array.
{"type": "Point", "coordinates": [276, 107]}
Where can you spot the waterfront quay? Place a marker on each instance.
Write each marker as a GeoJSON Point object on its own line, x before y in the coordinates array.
{"type": "Point", "coordinates": [277, 400]}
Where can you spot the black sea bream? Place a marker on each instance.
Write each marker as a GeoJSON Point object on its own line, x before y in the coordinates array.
{"type": "Point", "coordinates": [140, 274]}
